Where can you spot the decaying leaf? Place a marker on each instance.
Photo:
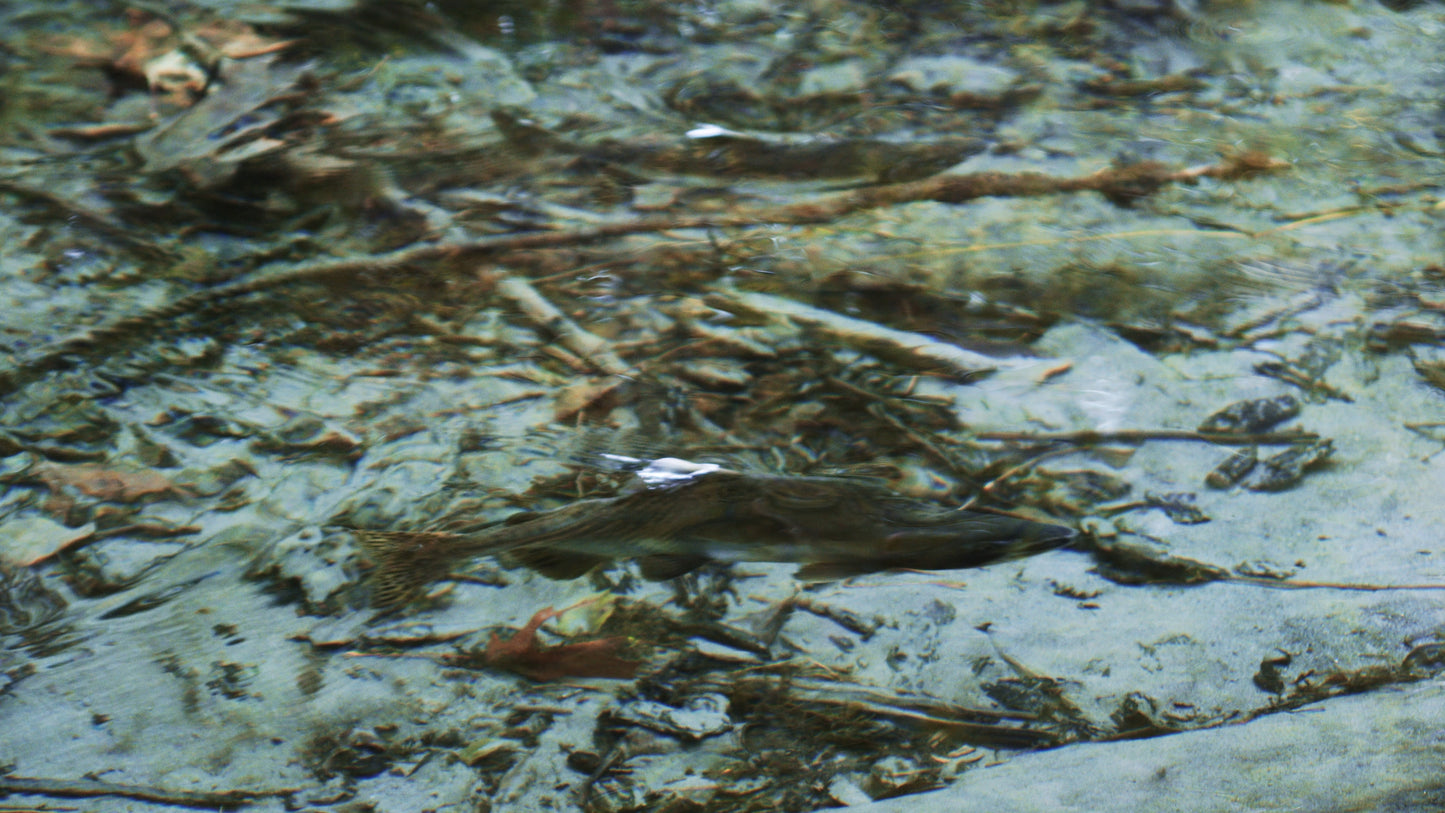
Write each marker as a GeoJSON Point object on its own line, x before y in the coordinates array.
{"type": "Point", "coordinates": [151, 51]}
{"type": "Point", "coordinates": [103, 483]}
{"type": "Point", "coordinates": [595, 398]}
{"type": "Point", "coordinates": [126, 52]}
{"type": "Point", "coordinates": [524, 654]}
{"type": "Point", "coordinates": [238, 40]}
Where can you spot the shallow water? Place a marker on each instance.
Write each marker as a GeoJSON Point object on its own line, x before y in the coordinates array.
{"type": "Point", "coordinates": [277, 274]}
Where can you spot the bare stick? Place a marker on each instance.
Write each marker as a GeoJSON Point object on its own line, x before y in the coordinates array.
{"type": "Point", "coordinates": [86, 788]}
{"type": "Point", "coordinates": [913, 350]}
{"type": "Point", "coordinates": [1089, 437]}
{"type": "Point", "coordinates": [1295, 584]}
{"type": "Point", "coordinates": [572, 335]}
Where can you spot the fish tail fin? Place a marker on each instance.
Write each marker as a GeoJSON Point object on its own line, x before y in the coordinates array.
{"type": "Point", "coordinates": [404, 562]}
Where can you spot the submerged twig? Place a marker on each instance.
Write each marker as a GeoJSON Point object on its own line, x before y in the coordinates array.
{"type": "Point", "coordinates": [1297, 584]}
{"type": "Point", "coordinates": [847, 619]}
{"type": "Point", "coordinates": [913, 350]}
{"type": "Point", "coordinates": [88, 788]}
{"type": "Point", "coordinates": [572, 336]}
{"type": "Point", "coordinates": [1090, 437]}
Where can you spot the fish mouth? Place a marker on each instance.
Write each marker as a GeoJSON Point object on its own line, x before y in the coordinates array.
{"type": "Point", "coordinates": [1048, 536]}
{"type": "Point", "coordinates": [1029, 538]}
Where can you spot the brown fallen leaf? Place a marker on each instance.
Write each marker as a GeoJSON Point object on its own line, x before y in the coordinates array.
{"type": "Point", "coordinates": [151, 51]}
{"type": "Point", "coordinates": [100, 132]}
{"type": "Point", "coordinates": [123, 49]}
{"type": "Point", "coordinates": [237, 40]}
{"type": "Point", "coordinates": [591, 398]}
{"type": "Point", "coordinates": [523, 654]}
{"type": "Point", "coordinates": [145, 52]}
{"type": "Point", "coordinates": [112, 485]}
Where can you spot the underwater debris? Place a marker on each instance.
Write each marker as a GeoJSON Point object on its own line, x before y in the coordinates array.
{"type": "Point", "coordinates": [1286, 469]}
{"type": "Point", "coordinates": [1178, 506]}
{"type": "Point", "coordinates": [1252, 416]}
{"type": "Point", "coordinates": [701, 716]}
{"type": "Point", "coordinates": [1268, 678]}
{"type": "Point", "coordinates": [1124, 562]}
{"type": "Point", "coordinates": [572, 336]}
{"type": "Point", "coordinates": [1308, 370]}
{"type": "Point", "coordinates": [1234, 468]}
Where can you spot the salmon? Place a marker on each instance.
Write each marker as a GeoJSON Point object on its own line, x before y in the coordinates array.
{"type": "Point", "coordinates": [834, 527]}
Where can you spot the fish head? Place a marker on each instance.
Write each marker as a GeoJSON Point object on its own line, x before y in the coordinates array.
{"type": "Point", "coordinates": [973, 539]}
{"type": "Point", "coordinates": [962, 540]}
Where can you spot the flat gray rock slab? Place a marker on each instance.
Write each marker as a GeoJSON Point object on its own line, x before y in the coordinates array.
{"type": "Point", "coordinates": [1380, 751]}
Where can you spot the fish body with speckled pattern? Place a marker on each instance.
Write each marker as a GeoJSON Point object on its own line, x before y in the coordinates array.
{"type": "Point", "coordinates": [833, 527]}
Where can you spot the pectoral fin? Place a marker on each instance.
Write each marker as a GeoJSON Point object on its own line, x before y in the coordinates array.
{"type": "Point", "coordinates": [660, 566]}
{"type": "Point", "coordinates": [832, 571]}
{"type": "Point", "coordinates": [555, 564]}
